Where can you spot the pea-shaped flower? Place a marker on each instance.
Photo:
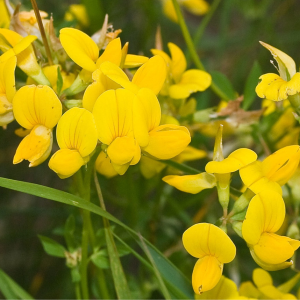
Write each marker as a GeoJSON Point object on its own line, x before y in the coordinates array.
{"type": "Point", "coordinates": [77, 138]}
{"type": "Point", "coordinates": [113, 117]}
{"type": "Point", "coordinates": [181, 83]}
{"type": "Point", "coordinates": [279, 87]}
{"type": "Point", "coordinates": [273, 172]}
{"type": "Point", "coordinates": [160, 141]}
{"type": "Point", "coordinates": [265, 215]}
{"type": "Point", "coordinates": [7, 90]}
{"type": "Point", "coordinates": [38, 109]}
{"type": "Point", "coordinates": [213, 247]}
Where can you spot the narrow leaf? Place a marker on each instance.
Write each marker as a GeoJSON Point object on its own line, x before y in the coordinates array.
{"type": "Point", "coordinates": [251, 83]}
{"type": "Point", "coordinates": [52, 247]}
{"type": "Point", "coordinates": [10, 289]}
{"type": "Point", "coordinates": [224, 85]}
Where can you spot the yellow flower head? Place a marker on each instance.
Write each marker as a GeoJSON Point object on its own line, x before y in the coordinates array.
{"type": "Point", "coordinates": [151, 75]}
{"type": "Point", "coordinates": [195, 7]}
{"type": "Point", "coordinates": [213, 247]}
{"type": "Point", "coordinates": [38, 109]}
{"type": "Point", "coordinates": [181, 83]}
{"type": "Point", "coordinates": [78, 12]}
{"type": "Point", "coordinates": [77, 138]}
{"type": "Point", "coordinates": [4, 15]}
{"type": "Point", "coordinates": [13, 44]}
{"type": "Point", "coordinates": [113, 117]}
{"type": "Point", "coordinates": [264, 283]}
{"type": "Point", "coordinates": [274, 171]}
{"type": "Point", "coordinates": [104, 166]}
{"type": "Point", "coordinates": [160, 141]}
{"type": "Point", "coordinates": [265, 215]}
{"type": "Point", "coordinates": [279, 87]}
{"type": "Point", "coordinates": [7, 90]}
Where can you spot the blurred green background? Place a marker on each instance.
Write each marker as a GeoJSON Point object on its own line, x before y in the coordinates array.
{"type": "Point", "coordinates": [229, 45]}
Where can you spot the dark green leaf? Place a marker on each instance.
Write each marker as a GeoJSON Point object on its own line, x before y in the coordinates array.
{"type": "Point", "coordinates": [252, 81]}
{"type": "Point", "coordinates": [52, 247]}
{"type": "Point", "coordinates": [224, 85]}
{"type": "Point", "coordinates": [10, 289]}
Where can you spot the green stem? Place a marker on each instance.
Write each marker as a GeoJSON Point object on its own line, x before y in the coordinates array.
{"type": "Point", "coordinates": [179, 166]}
{"type": "Point", "coordinates": [241, 203]}
{"type": "Point", "coordinates": [77, 291]}
{"type": "Point", "coordinates": [199, 33]}
{"type": "Point", "coordinates": [192, 49]}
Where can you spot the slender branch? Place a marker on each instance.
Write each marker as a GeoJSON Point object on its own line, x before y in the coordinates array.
{"type": "Point", "coordinates": [192, 49]}
{"type": "Point", "coordinates": [42, 30]}
{"type": "Point", "coordinates": [179, 166]}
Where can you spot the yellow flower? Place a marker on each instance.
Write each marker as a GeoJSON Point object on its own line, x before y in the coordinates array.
{"type": "Point", "coordinates": [225, 289]}
{"type": "Point", "coordinates": [279, 87]}
{"type": "Point", "coordinates": [7, 90]}
{"type": "Point", "coordinates": [77, 138]}
{"type": "Point", "coordinates": [4, 15]}
{"type": "Point", "coordinates": [264, 283]}
{"type": "Point", "coordinates": [13, 44]}
{"type": "Point", "coordinates": [181, 83]}
{"type": "Point", "coordinates": [160, 141]}
{"type": "Point", "coordinates": [196, 7]}
{"type": "Point", "coordinates": [38, 109]}
{"type": "Point", "coordinates": [29, 16]}
{"type": "Point", "coordinates": [213, 247]}
{"type": "Point", "coordinates": [103, 166]}
{"type": "Point", "coordinates": [151, 75]}
{"type": "Point", "coordinates": [264, 217]}
{"type": "Point", "coordinates": [113, 117]}
{"type": "Point", "coordinates": [273, 172]}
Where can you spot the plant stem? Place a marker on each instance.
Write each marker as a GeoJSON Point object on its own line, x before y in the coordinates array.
{"type": "Point", "coordinates": [77, 291]}
{"type": "Point", "coordinates": [192, 49]}
{"type": "Point", "coordinates": [200, 30]}
{"type": "Point", "coordinates": [42, 30]}
{"type": "Point", "coordinates": [182, 167]}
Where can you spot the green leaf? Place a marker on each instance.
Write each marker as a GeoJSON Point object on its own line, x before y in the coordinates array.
{"type": "Point", "coordinates": [251, 83]}
{"type": "Point", "coordinates": [177, 280]}
{"type": "Point", "coordinates": [10, 289]}
{"type": "Point", "coordinates": [59, 82]}
{"type": "Point", "coordinates": [223, 85]}
{"type": "Point", "coordinates": [100, 259]}
{"type": "Point", "coordinates": [75, 274]}
{"type": "Point", "coordinates": [52, 247]}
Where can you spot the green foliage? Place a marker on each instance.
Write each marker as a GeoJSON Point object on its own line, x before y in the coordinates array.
{"type": "Point", "coordinates": [224, 85]}
{"type": "Point", "coordinates": [52, 247]}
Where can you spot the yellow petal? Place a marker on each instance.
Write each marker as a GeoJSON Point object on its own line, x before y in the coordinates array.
{"type": "Point", "coordinates": [285, 62]}
{"type": "Point", "coordinates": [191, 81]}
{"type": "Point", "coordinates": [152, 74]}
{"type": "Point", "coordinates": [4, 15]}
{"type": "Point", "coordinates": [7, 78]}
{"type": "Point", "coordinates": [164, 55]}
{"type": "Point", "coordinates": [11, 36]}
{"type": "Point", "coordinates": [266, 213]}
{"type": "Point", "coordinates": [113, 115]}
{"type": "Point", "coordinates": [34, 105]}
{"type": "Point", "coordinates": [80, 47]}
{"type": "Point", "coordinates": [122, 150]}
{"type": "Point", "coordinates": [133, 61]}
{"type": "Point", "coordinates": [150, 167]}
{"type": "Point", "coordinates": [206, 274]}
{"type": "Point", "coordinates": [137, 154]}
{"type": "Point", "coordinates": [247, 289]}
{"type": "Point", "coordinates": [66, 162]}
{"type": "Point", "coordinates": [76, 130]}
{"type": "Point", "coordinates": [205, 239]}
{"type": "Point", "coordinates": [104, 166]}
{"type": "Point", "coordinates": [270, 267]}
{"type": "Point", "coordinates": [225, 289]}
{"type": "Point", "coordinates": [35, 147]}
{"type": "Point", "coordinates": [281, 165]}
{"type": "Point", "coordinates": [120, 169]}
{"type": "Point", "coordinates": [196, 7]}
{"type": "Point", "coordinates": [273, 249]}
{"type": "Point", "coordinates": [167, 141]}
{"type": "Point", "coordinates": [116, 74]}
{"type": "Point", "coordinates": [273, 87]}
{"type": "Point", "coordinates": [235, 161]}
{"type": "Point", "coordinates": [261, 278]}
{"type": "Point", "coordinates": [112, 53]}
{"type": "Point", "coordinates": [190, 153]}
{"type": "Point", "coordinates": [146, 115]}
{"type": "Point", "coordinates": [192, 184]}
{"type": "Point", "coordinates": [178, 65]}
{"type": "Point", "coordinates": [169, 10]}
{"type": "Point", "coordinates": [101, 84]}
